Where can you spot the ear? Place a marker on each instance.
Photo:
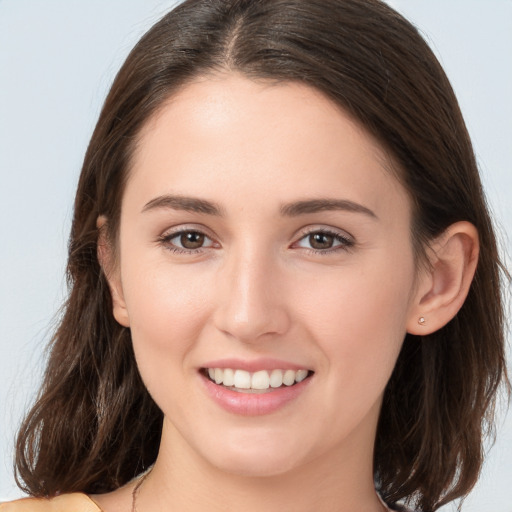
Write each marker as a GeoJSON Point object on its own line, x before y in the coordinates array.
{"type": "Point", "coordinates": [443, 288]}
{"type": "Point", "coordinates": [107, 260]}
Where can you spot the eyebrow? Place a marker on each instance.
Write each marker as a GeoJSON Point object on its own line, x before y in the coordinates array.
{"type": "Point", "coordinates": [189, 204]}
{"type": "Point", "coordinates": [194, 204]}
{"type": "Point", "coordinates": [319, 205]}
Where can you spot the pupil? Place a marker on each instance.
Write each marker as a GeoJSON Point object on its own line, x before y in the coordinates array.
{"type": "Point", "coordinates": [321, 240]}
{"type": "Point", "coordinates": [192, 240]}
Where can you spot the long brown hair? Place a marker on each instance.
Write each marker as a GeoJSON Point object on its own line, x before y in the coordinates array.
{"type": "Point", "coordinates": [94, 426]}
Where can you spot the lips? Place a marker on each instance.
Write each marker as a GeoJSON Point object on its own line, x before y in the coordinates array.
{"type": "Point", "coordinates": [252, 389]}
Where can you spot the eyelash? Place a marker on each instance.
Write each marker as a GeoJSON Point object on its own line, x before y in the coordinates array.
{"type": "Point", "coordinates": [165, 240]}
{"type": "Point", "coordinates": [345, 243]}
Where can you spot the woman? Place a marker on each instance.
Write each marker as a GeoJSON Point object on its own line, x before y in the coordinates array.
{"type": "Point", "coordinates": [285, 284]}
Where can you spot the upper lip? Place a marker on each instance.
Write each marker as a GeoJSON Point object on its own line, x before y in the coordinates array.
{"type": "Point", "coordinates": [254, 365]}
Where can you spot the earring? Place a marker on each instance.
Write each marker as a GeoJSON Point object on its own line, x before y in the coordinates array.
{"type": "Point", "coordinates": [421, 320]}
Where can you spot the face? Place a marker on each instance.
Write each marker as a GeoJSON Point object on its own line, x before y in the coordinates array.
{"type": "Point", "coordinates": [263, 238]}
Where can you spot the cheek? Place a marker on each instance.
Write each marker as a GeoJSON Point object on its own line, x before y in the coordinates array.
{"type": "Point", "coordinates": [358, 318]}
{"type": "Point", "coordinates": [167, 310]}
{"type": "Point", "coordinates": [167, 307]}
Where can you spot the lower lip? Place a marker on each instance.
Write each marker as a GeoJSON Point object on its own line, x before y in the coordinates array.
{"type": "Point", "coordinates": [253, 404]}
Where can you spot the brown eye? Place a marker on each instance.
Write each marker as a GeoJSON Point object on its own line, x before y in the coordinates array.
{"type": "Point", "coordinates": [321, 240]}
{"type": "Point", "coordinates": [191, 240]}
{"type": "Point", "coordinates": [187, 241]}
{"type": "Point", "coordinates": [325, 242]}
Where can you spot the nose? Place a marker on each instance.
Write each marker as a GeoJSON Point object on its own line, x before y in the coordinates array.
{"type": "Point", "coordinates": [252, 302]}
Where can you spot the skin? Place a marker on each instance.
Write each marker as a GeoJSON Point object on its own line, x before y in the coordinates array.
{"type": "Point", "coordinates": [257, 288]}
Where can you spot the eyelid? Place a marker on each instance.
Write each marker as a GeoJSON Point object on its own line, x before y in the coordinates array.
{"type": "Point", "coordinates": [321, 228]}
{"type": "Point", "coordinates": [180, 228]}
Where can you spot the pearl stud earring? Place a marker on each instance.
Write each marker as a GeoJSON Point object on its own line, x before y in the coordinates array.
{"type": "Point", "coordinates": [421, 320]}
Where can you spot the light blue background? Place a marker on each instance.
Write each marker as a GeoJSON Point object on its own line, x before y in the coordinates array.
{"type": "Point", "coordinates": [57, 60]}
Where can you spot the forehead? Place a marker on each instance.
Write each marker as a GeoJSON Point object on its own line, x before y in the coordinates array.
{"type": "Point", "coordinates": [232, 102]}
{"type": "Point", "coordinates": [237, 136]}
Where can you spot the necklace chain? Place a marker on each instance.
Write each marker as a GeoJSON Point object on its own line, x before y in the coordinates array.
{"type": "Point", "coordinates": [136, 489]}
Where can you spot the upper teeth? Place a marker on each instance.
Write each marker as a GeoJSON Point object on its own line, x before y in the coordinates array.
{"type": "Point", "coordinates": [262, 379]}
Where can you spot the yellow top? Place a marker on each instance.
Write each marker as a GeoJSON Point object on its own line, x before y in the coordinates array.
{"type": "Point", "coordinates": [74, 502]}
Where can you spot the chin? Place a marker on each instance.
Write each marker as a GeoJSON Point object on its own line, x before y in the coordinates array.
{"type": "Point", "coordinates": [256, 457]}
{"type": "Point", "coordinates": [257, 467]}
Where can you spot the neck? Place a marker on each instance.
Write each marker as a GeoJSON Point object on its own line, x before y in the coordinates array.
{"type": "Point", "coordinates": [340, 481]}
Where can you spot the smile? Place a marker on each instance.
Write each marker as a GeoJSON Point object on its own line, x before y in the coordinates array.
{"type": "Point", "coordinates": [257, 386]}
{"type": "Point", "coordinates": [255, 382]}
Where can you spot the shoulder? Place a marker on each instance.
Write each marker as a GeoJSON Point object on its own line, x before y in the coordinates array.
{"type": "Point", "coordinates": [77, 502]}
